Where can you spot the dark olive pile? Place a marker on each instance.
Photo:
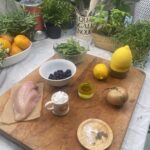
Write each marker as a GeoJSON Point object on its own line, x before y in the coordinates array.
{"type": "Point", "coordinates": [60, 74]}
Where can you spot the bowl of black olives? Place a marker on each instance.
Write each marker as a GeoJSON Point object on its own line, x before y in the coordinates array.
{"type": "Point", "coordinates": [57, 72]}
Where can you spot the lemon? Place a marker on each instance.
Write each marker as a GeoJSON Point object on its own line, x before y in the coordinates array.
{"type": "Point", "coordinates": [14, 50]}
{"type": "Point", "coordinates": [121, 59]}
{"type": "Point", "coordinates": [7, 37]}
{"type": "Point", "coordinates": [22, 41]}
{"type": "Point", "coordinates": [5, 44]}
{"type": "Point", "coordinates": [100, 71]}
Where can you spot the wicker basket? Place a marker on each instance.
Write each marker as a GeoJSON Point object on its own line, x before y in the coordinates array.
{"type": "Point", "coordinates": [104, 42]}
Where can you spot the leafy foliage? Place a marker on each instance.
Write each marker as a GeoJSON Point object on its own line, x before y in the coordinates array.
{"type": "Point", "coordinates": [123, 5]}
{"type": "Point", "coordinates": [3, 54]}
{"type": "Point", "coordinates": [57, 12]}
{"type": "Point", "coordinates": [137, 36]}
{"type": "Point", "coordinates": [71, 47]}
{"type": "Point", "coordinates": [17, 22]}
{"type": "Point", "coordinates": [108, 22]}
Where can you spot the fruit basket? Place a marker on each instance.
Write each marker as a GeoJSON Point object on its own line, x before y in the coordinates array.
{"type": "Point", "coordinates": [13, 50]}
{"type": "Point", "coordinates": [11, 60]}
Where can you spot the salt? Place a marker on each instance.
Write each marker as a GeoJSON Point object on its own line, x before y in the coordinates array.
{"type": "Point", "coordinates": [88, 130]}
{"type": "Point", "coordinates": [59, 97]}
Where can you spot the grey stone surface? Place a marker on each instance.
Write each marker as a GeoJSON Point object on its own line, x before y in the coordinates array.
{"type": "Point", "coordinates": [7, 5]}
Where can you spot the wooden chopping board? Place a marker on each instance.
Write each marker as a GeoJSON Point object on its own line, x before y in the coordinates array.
{"type": "Point", "coordinates": [50, 132]}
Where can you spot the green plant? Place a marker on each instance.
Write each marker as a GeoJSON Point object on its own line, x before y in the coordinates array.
{"type": "Point", "coordinates": [17, 22]}
{"type": "Point", "coordinates": [3, 54]}
{"type": "Point", "coordinates": [123, 5]}
{"type": "Point", "coordinates": [108, 22]}
{"type": "Point", "coordinates": [137, 36]}
{"type": "Point", "coordinates": [71, 47]}
{"type": "Point", "coordinates": [57, 12]}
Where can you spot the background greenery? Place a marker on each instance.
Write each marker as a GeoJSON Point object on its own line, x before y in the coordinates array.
{"type": "Point", "coordinates": [137, 36]}
{"type": "Point", "coordinates": [108, 22]}
{"type": "Point", "coordinates": [17, 22]}
{"type": "Point", "coordinates": [3, 54]}
{"type": "Point", "coordinates": [57, 12]}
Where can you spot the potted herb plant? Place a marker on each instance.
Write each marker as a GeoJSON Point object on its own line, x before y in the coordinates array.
{"type": "Point", "coordinates": [17, 22]}
{"type": "Point", "coordinates": [3, 54]}
{"type": "Point", "coordinates": [105, 24]}
{"type": "Point", "coordinates": [137, 36]}
{"type": "Point", "coordinates": [70, 19]}
{"type": "Point", "coordinates": [56, 13]}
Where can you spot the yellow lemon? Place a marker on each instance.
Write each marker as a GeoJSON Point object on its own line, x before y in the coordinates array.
{"type": "Point", "coordinates": [14, 50]}
{"type": "Point", "coordinates": [7, 37]}
{"type": "Point", "coordinates": [100, 71]}
{"type": "Point", "coordinates": [121, 59]}
{"type": "Point", "coordinates": [5, 44]}
{"type": "Point", "coordinates": [22, 41]}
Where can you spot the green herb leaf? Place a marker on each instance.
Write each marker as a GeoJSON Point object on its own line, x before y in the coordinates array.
{"type": "Point", "coordinates": [137, 36]}
{"type": "Point", "coordinates": [3, 54]}
{"type": "Point", "coordinates": [108, 22]}
{"type": "Point", "coordinates": [71, 47]}
{"type": "Point", "coordinates": [17, 22]}
{"type": "Point", "coordinates": [57, 12]}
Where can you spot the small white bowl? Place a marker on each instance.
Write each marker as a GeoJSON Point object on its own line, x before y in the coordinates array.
{"type": "Point", "coordinates": [51, 66]}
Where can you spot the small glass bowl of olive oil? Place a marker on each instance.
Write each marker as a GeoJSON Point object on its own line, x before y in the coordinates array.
{"type": "Point", "coordinates": [86, 90]}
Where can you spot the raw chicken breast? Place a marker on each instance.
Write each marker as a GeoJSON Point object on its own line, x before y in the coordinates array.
{"type": "Point", "coordinates": [27, 97]}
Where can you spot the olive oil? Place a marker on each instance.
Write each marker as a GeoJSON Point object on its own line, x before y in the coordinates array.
{"type": "Point", "coordinates": [86, 90]}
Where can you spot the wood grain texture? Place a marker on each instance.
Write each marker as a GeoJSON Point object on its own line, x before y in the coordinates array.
{"type": "Point", "coordinates": [50, 132]}
{"type": "Point", "coordinates": [104, 42]}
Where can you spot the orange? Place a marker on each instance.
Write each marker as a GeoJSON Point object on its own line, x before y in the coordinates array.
{"type": "Point", "coordinates": [22, 41]}
{"type": "Point", "coordinates": [14, 50]}
{"type": "Point", "coordinates": [5, 43]}
{"type": "Point", "coordinates": [7, 37]}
